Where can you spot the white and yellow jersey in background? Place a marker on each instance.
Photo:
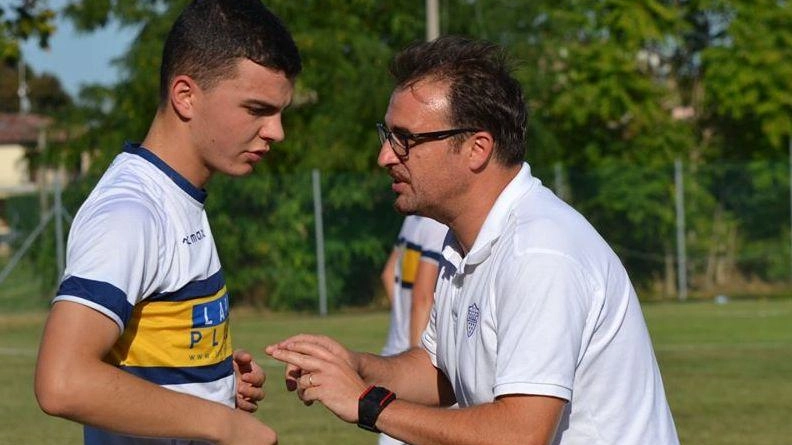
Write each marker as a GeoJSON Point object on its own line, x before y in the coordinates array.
{"type": "Point", "coordinates": [420, 239]}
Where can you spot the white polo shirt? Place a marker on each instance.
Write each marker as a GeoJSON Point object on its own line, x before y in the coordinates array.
{"type": "Point", "coordinates": [542, 306]}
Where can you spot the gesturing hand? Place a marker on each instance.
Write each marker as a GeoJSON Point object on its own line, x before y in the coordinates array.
{"type": "Point", "coordinates": [319, 368]}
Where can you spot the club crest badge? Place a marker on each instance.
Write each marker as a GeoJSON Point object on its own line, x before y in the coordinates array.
{"type": "Point", "coordinates": [472, 319]}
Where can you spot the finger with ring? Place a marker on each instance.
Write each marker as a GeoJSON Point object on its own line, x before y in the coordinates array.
{"type": "Point", "coordinates": [310, 379]}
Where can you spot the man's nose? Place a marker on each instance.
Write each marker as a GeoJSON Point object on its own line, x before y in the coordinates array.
{"type": "Point", "coordinates": [272, 130]}
{"type": "Point", "coordinates": [386, 155]}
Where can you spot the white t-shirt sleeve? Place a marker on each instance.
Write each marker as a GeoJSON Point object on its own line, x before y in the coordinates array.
{"type": "Point", "coordinates": [112, 258]}
{"type": "Point", "coordinates": [541, 310]}
{"type": "Point", "coordinates": [431, 235]}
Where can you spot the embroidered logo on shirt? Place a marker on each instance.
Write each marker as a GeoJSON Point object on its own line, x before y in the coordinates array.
{"type": "Point", "coordinates": [472, 319]}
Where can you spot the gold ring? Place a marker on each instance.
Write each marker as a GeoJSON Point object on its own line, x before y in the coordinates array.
{"type": "Point", "coordinates": [310, 381]}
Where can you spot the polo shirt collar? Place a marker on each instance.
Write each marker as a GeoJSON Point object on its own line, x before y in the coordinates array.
{"type": "Point", "coordinates": [495, 222]}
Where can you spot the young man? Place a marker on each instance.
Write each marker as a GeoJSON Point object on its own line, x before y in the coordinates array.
{"type": "Point", "coordinates": [137, 344]}
{"type": "Point", "coordinates": [409, 277]}
{"type": "Point", "coordinates": [536, 331]}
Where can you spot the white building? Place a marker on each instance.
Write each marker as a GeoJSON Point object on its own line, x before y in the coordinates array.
{"type": "Point", "coordinates": [22, 137]}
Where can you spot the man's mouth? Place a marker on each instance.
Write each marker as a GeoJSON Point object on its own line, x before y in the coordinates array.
{"type": "Point", "coordinates": [254, 156]}
{"type": "Point", "coordinates": [397, 177]}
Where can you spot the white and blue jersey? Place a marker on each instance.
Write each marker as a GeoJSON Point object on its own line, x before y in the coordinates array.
{"type": "Point", "coordinates": [420, 239]}
{"type": "Point", "coordinates": [141, 252]}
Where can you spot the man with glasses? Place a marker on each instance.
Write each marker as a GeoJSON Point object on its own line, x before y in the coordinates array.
{"type": "Point", "coordinates": [536, 331]}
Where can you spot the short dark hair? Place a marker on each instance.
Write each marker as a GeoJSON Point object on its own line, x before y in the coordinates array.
{"type": "Point", "coordinates": [210, 37]}
{"type": "Point", "coordinates": [482, 92]}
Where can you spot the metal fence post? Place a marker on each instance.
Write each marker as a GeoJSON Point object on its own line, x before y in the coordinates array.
{"type": "Point", "coordinates": [680, 231]}
{"type": "Point", "coordinates": [320, 259]}
{"type": "Point", "coordinates": [59, 250]}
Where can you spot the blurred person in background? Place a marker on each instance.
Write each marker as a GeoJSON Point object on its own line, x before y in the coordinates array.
{"type": "Point", "coordinates": [409, 277]}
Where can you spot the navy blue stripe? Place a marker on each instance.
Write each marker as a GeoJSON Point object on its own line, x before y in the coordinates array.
{"type": "Point", "coordinates": [432, 255]}
{"type": "Point", "coordinates": [99, 292]}
{"type": "Point", "coordinates": [426, 253]}
{"type": "Point", "coordinates": [177, 376]}
{"type": "Point", "coordinates": [413, 246]}
{"type": "Point", "coordinates": [193, 289]}
{"type": "Point", "coordinates": [137, 149]}
{"type": "Point", "coordinates": [406, 285]}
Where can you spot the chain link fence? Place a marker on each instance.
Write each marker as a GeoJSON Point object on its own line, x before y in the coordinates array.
{"type": "Point", "coordinates": [732, 237]}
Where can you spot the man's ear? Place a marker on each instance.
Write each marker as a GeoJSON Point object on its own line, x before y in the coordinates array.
{"type": "Point", "coordinates": [481, 150]}
{"type": "Point", "coordinates": [183, 94]}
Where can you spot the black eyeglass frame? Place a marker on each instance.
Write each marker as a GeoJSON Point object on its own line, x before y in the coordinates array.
{"type": "Point", "coordinates": [400, 140]}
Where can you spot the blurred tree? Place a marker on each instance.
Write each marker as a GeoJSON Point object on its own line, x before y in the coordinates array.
{"type": "Point", "coordinates": [617, 89]}
{"type": "Point", "coordinates": [748, 77]}
{"type": "Point", "coordinates": [21, 20]}
{"type": "Point", "coordinates": [45, 91]}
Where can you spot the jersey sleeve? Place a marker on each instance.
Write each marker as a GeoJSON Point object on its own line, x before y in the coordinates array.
{"type": "Point", "coordinates": [431, 235]}
{"type": "Point", "coordinates": [112, 258]}
{"type": "Point", "coordinates": [542, 318]}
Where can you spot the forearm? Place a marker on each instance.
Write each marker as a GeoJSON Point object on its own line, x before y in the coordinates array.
{"type": "Point", "coordinates": [497, 422]}
{"type": "Point", "coordinates": [410, 374]}
{"type": "Point", "coordinates": [72, 381]}
{"type": "Point", "coordinates": [422, 300]}
{"type": "Point", "coordinates": [388, 275]}
{"type": "Point", "coordinates": [111, 399]}
{"type": "Point", "coordinates": [419, 317]}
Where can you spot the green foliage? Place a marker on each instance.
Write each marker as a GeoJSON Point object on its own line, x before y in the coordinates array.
{"type": "Point", "coordinates": [266, 237]}
{"type": "Point", "coordinates": [22, 20]}
{"type": "Point", "coordinates": [610, 84]}
{"type": "Point", "coordinates": [24, 215]}
{"type": "Point", "coordinates": [45, 91]}
{"type": "Point", "coordinates": [748, 74]}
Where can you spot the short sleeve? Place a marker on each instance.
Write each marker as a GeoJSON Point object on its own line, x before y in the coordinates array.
{"type": "Point", "coordinates": [541, 311]}
{"type": "Point", "coordinates": [431, 235]}
{"type": "Point", "coordinates": [112, 258]}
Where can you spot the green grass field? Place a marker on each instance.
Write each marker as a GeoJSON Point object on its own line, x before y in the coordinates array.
{"type": "Point", "coordinates": [727, 372]}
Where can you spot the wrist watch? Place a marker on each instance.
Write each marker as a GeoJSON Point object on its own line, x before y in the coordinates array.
{"type": "Point", "coordinates": [370, 405]}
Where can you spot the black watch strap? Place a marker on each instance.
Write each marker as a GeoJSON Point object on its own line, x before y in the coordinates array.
{"type": "Point", "coordinates": [370, 405]}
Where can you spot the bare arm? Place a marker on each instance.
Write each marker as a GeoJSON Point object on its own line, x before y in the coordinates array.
{"type": "Point", "coordinates": [422, 299]}
{"type": "Point", "coordinates": [410, 374]}
{"type": "Point", "coordinates": [523, 419]}
{"type": "Point", "coordinates": [388, 275]}
{"type": "Point", "coordinates": [328, 377]}
{"type": "Point", "coordinates": [72, 381]}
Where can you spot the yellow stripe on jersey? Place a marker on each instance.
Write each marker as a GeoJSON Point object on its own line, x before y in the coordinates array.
{"type": "Point", "coordinates": [187, 333]}
{"type": "Point", "coordinates": [410, 260]}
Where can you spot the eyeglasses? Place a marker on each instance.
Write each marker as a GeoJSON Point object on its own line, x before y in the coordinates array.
{"type": "Point", "coordinates": [401, 141]}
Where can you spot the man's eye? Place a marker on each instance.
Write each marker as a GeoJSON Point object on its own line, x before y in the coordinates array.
{"type": "Point", "coordinates": [261, 111]}
{"type": "Point", "coordinates": [401, 138]}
